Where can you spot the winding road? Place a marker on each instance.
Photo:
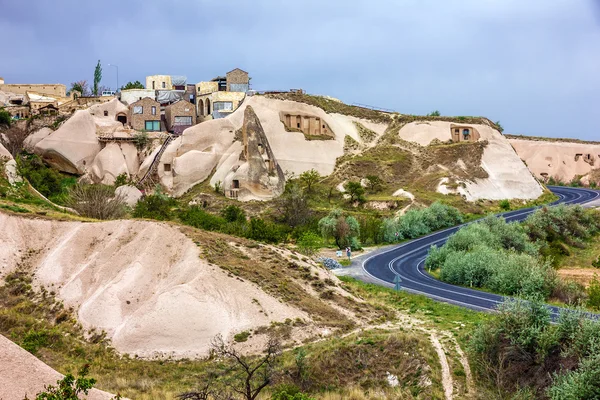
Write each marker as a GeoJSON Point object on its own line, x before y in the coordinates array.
{"type": "Point", "coordinates": [407, 260]}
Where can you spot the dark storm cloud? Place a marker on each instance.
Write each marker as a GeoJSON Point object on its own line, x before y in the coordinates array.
{"type": "Point", "coordinates": [533, 65]}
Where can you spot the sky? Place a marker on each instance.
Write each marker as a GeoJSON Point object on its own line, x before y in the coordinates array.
{"type": "Point", "coordinates": [533, 65]}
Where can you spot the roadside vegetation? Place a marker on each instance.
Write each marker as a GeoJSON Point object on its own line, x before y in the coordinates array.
{"type": "Point", "coordinates": [522, 355]}
{"type": "Point", "coordinates": [518, 258]}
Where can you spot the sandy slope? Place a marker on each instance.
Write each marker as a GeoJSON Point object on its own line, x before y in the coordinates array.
{"type": "Point", "coordinates": [144, 283]}
{"type": "Point", "coordinates": [557, 159]}
{"type": "Point", "coordinates": [22, 374]}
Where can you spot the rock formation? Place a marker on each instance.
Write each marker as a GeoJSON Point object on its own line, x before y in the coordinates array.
{"type": "Point", "coordinates": [73, 146]}
{"type": "Point", "coordinates": [257, 174]}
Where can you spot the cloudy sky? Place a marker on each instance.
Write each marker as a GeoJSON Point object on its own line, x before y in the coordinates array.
{"type": "Point", "coordinates": [534, 65]}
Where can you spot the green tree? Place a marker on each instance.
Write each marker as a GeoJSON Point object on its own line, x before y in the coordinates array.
{"type": "Point", "coordinates": [97, 77]}
{"type": "Point", "coordinates": [355, 190]}
{"type": "Point", "coordinates": [310, 178]}
{"type": "Point", "coordinates": [293, 207]}
{"type": "Point", "coordinates": [80, 86]}
{"type": "Point", "coordinates": [133, 85]}
{"type": "Point", "coordinates": [435, 113]}
{"type": "Point", "coordinates": [344, 230]}
{"type": "Point", "coordinates": [374, 183]}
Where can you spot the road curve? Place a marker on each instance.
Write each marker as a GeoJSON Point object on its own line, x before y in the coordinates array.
{"type": "Point", "coordinates": [407, 260]}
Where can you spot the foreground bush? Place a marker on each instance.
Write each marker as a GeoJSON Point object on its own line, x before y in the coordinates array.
{"type": "Point", "coordinates": [521, 349]}
{"type": "Point", "coordinates": [96, 201]}
{"type": "Point", "coordinates": [46, 180]}
{"type": "Point", "coordinates": [420, 222]}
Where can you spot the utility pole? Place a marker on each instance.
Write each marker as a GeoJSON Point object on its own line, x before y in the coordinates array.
{"type": "Point", "coordinates": [117, 67]}
{"type": "Point", "coordinates": [397, 281]}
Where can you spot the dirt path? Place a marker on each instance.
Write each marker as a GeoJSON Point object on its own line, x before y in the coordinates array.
{"type": "Point", "coordinates": [446, 377]}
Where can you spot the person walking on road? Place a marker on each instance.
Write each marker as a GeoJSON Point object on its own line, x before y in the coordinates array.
{"type": "Point", "coordinates": [348, 252]}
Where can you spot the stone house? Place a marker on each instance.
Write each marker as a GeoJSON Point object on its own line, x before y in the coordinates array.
{"type": "Point", "coordinates": [179, 116]}
{"type": "Point", "coordinates": [222, 95]}
{"type": "Point", "coordinates": [144, 114]}
{"type": "Point", "coordinates": [159, 82]}
{"type": "Point", "coordinates": [463, 133]}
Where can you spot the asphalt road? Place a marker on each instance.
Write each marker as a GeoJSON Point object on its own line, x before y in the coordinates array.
{"type": "Point", "coordinates": [407, 260]}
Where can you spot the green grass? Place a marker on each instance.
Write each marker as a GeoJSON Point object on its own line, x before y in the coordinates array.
{"type": "Point", "coordinates": [441, 315]}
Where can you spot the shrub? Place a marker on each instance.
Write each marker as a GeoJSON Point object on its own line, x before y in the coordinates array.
{"type": "Point", "coordinates": [46, 180]}
{"type": "Point", "coordinates": [198, 218]}
{"type": "Point", "coordinates": [374, 183]}
{"type": "Point", "coordinates": [435, 113]}
{"type": "Point", "coordinates": [596, 263]}
{"type": "Point", "coordinates": [309, 243]}
{"type": "Point", "coordinates": [594, 294]}
{"type": "Point", "coordinates": [233, 213]}
{"type": "Point", "coordinates": [69, 388]}
{"type": "Point", "coordinates": [241, 337]}
{"type": "Point", "coordinates": [155, 206]}
{"type": "Point", "coordinates": [504, 205]}
{"type": "Point", "coordinates": [569, 292]}
{"type": "Point", "coordinates": [5, 118]}
{"type": "Point", "coordinates": [121, 180]}
{"type": "Point", "coordinates": [96, 201]}
{"type": "Point", "coordinates": [289, 392]}
{"type": "Point", "coordinates": [583, 383]}
{"type": "Point", "coordinates": [141, 140]}
{"type": "Point", "coordinates": [264, 231]}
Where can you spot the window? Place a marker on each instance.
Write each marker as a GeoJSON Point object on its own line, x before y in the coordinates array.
{"type": "Point", "coordinates": [236, 184]}
{"type": "Point", "coordinates": [164, 84]}
{"type": "Point", "coordinates": [323, 126]}
{"type": "Point", "coordinates": [153, 110]}
{"type": "Point", "coordinates": [223, 106]}
{"type": "Point", "coordinates": [186, 121]}
{"type": "Point", "coordinates": [456, 130]}
{"type": "Point", "coordinates": [138, 109]}
{"type": "Point", "coordinates": [152, 126]}
{"type": "Point", "coordinates": [167, 167]}
{"type": "Point", "coordinates": [105, 113]}
{"type": "Point", "coordinates": [153, 82]}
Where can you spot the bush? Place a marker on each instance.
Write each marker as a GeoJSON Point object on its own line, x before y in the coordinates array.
{"type": "Point", "coordinates": [46, 180]}
{"type": "Point", "coordinates": [198, 218]}
{"type": "Point", "coordinates": [264, 231]}
{"type": "Point", "coordinates": [309, 243]}
{"type": "Point", "coordinates": [583, 383]}
{"type": "Point", "coordinates": [289, 392]}
{"type": "Point", "coordinates": [155, 206]}
{"type": "Point", "coordinates": [596, 263]}
{"type": "Point", "coordinates": [96, 201]}
{"type": "Point", "coordinates": [5, 118]}
{"type": "Point", "coordinates": [233, 213]}
{"type": "Point", "coordinates": [569, 224]}
{"type": "Point", "coordinates": [594, 294]}
{"type": "Point", "coordinates": [121, 180]}
{"type": "Point", "coordinates": [141, 140]}
{"type": "Point", "coordinates": [419, 222]}
{"type": "Point", "coordinates": [504, 205]}
{"type": "Point", "coordinates": [69, 388]}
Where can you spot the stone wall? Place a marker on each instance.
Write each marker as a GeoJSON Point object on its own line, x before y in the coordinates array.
{"type": "Point", "coordinates": [310, 125]}
{"type": "Point", "coordinates": [132, 95]}
{"type": "Point", "coordinates": [46, 89]}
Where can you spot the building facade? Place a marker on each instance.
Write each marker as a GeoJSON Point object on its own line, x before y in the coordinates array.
{"type": "Point", "coordinates": [179, 116]}
{"type": "Point", "coordinates": [144, 114]}
{"type": "Point", "coordinates": [159, 82]}
{"type": "Point", "coordinates": [237, 80]}
{"type": "Point", "coordinates": [130, 96]}
{"type": "Point", "coordinates": [222, 95]}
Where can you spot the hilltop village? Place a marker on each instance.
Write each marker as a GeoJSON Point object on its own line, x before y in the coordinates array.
{"type": "Point", "coordinates": [169, 234]}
